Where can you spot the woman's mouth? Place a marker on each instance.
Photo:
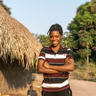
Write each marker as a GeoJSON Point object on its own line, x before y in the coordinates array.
{"type": "Point", "coordinates": [54, 42]}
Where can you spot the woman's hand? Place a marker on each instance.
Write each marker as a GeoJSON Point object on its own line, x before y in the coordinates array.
{"type": "Point", "coordinates": [46, 65]}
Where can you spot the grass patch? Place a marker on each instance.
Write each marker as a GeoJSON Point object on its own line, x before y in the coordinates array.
{"type": "Point", "coordinates": [85, 72]}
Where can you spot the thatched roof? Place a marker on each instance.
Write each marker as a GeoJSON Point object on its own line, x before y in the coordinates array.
{"type": "Point", "coordinates": [16, 42]}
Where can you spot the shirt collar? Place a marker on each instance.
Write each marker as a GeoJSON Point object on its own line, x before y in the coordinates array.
{"type": "Point", "coordinates": [58, 50]}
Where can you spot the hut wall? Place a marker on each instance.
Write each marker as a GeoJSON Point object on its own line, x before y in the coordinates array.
{"type": "Point", "coordinates": [14, 80]}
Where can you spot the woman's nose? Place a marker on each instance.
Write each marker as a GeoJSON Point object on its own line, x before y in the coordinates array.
{"type": "Point", "coordinates": [54, 38]}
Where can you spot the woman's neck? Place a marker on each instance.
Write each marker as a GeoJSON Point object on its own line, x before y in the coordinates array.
{"type": "Point", "coordinates": [55, 48]}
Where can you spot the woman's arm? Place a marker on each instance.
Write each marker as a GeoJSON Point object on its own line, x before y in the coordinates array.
{"type": "Point", "coordinates": [63, 68]}
{"type": "Point", "coordinates": [43, 69]}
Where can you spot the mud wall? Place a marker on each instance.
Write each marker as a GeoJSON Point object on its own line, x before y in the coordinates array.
{"type": "Point", "coordinates": [14, 79]}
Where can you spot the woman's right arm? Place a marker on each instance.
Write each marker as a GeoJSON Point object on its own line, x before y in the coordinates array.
{"type": "Point", "coordinates": [42, 69]}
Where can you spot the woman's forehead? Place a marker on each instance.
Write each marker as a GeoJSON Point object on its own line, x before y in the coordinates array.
{"type": "Point", "coordinates": [55, 32]}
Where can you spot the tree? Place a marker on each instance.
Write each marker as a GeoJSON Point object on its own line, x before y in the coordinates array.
{"type": "Point", "coordinates": [5, 7]}
{"type": "Point", "coordinates": [83, 30]}
{"type": "Point", "coordinates": [68, 40]}
{"type": "Point", "coordinates": [44, 40]}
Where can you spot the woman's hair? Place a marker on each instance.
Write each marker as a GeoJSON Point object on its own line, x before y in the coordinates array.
{"type": "Point", "coordinates": [55, 27]}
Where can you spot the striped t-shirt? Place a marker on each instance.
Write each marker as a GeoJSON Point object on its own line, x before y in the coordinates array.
{"type": "Point", "coordinates": [57, 81]}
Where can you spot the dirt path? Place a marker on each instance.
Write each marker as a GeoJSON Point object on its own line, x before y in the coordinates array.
{"type": "Point", "coordinates": [83, 88]}
{"type": "Point", "coordinates": [79, 87]}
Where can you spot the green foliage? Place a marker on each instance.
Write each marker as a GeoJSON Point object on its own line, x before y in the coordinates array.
{"type": "Point", "coordinates": [5, 7]}
{"type": "Point", "coordinates": [68, 40]}
{"type": "Point", "coordinates": [83, 31]}
{"type": "Point", "coordinates": [44, 40]}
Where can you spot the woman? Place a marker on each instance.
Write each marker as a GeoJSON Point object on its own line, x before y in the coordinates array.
{"type": "Point", "coordinates": [55, 62]}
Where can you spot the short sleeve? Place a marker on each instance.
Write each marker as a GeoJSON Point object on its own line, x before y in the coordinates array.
{"type": "Point", "coordinates": [69, 54]}
{"type": "Point", "coordinates": [42, 54]}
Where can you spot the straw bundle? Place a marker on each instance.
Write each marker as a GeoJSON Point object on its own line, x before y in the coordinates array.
{"type": "Point", "coordinates": [16, 42]}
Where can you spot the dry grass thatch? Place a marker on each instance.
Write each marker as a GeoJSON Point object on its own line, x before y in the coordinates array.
{"type": "Point", "coordinates": [16, 42]}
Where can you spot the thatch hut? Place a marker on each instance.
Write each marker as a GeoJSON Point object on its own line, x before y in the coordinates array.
{"type": "Point", "coordinates": [18, 48]}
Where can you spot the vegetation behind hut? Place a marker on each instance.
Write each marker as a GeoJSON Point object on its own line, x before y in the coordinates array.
{"type": "Point", "coordinates": [5, 7]}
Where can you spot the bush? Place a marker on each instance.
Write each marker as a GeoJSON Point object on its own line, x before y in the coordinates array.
{"type": "Point", "coordinates": [85, 72]}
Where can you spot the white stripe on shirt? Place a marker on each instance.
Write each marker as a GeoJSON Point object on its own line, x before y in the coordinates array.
{"type": "Point", "coordinates": [41, 57]}
{"type": "Point", "coordinates": [57, 56]}
{"type": "Point", "coordinates": [56, 85]}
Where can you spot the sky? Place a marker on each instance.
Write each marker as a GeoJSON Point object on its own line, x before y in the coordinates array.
{"type": "Point", "coordinates": [38, 15]}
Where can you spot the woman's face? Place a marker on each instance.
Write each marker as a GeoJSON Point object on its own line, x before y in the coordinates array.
{"type": "Point", "coordinates": [55, 37]}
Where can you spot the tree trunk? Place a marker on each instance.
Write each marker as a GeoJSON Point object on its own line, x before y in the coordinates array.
{"type": "Point", "coordinates": [87, 55]}
{"type": "Point", "coordinates": [87, 59]}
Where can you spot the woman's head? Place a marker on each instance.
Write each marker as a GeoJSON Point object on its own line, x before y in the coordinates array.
{"type": "Point", "coordinates": [56, 34]}
{"type": "Point", "coordinates": [56, 27]}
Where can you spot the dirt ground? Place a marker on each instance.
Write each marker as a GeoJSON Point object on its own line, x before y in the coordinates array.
{"type": "Point", "coordinates": [79, 87]}
{"type": "Point", "coordinates": [83, 88]}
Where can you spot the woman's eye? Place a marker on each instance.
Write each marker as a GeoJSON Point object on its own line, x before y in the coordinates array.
{"type": "Point", "coordinates": [54, 36]}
